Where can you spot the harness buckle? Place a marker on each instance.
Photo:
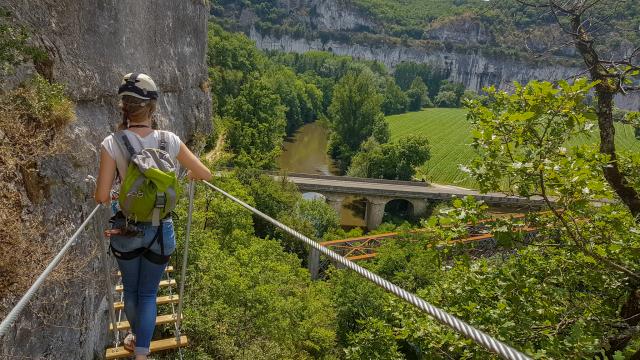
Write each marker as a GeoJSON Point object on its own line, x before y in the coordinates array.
{"type": "Point", "coordinates": [161, 200]}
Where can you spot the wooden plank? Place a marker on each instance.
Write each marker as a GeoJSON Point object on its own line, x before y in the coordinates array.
{"type": "Point", "coordinates": [162, 319]}
{"type": "Point", "coordinates": [158, 345]}
{"type": "Point", "coordinates": [378, 236]}
{"type": "Point", "coordinates": [362, 257]}
{"type": "Point", "coordinates": [167, 269]}
{"type": "Point", "coordinates": [161, 300]}
{"type": "Point", "coordinates": [163, 283]}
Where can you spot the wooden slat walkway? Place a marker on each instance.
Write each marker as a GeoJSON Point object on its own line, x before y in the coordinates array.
{"type": "Point", "coordinates": [163, 283]}
{"type": "Point", "coordinates": [158, 345]}
{"type": "Point", "coordinates": [162, 319]}
{"type": "Point", "coordinates": [161, 300]}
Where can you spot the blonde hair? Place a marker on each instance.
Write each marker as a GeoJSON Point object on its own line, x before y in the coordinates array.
{"type": "Point", "coordinates": [133, 107]}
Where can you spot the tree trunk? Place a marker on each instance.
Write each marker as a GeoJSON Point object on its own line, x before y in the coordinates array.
{"type": "Point", "coordinates": [630, 312]}
{"type": "Point", "coordinates": [605, 91]}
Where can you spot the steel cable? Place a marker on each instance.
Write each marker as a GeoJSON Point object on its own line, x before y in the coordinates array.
{"type": "Point", "coordinates": [17, 309]}
{"type": "Point", "coordinates": [185, 256]}
{"type": "Point", "coordinates": [478, 336]}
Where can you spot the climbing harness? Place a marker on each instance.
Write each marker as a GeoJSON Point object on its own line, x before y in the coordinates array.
{"type": "Point", "coordinates": [129, 230]}
{"type": "Point", "coordinates": [176, 316]}
{"type": "Point", "coordinates": [478, 336]}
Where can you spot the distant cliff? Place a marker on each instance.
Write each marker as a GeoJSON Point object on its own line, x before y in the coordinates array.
{"type": "Point", "coordinates": [461, 45]}
{"type": "Point", "coordinates": [91, 45]}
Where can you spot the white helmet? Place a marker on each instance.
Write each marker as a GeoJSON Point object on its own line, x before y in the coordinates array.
{"type": "Point", "coordinates": [138, 85]}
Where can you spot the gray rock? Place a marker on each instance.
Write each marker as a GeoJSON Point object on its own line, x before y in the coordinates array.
{"type": "Point", "coordinates": [92, 44]}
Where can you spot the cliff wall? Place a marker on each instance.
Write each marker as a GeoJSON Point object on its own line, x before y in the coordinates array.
{"type": "Point", "coordinates": [471, 68]}
{"type": "Point", "coordinates": [91, 44]}
{"type": "Point", "coordinates": [457, 44]}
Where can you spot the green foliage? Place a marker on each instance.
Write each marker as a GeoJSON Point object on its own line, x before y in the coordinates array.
{"type": "Point", "coordinates": [375, 341]}
{"type": "Point", "coordinates": [15, 47]}
{"type": "Point", "coordinates": [302, 100]}
{"type": "Point", "coordinates": [522, 140]}
{"type": "Point", "coordinates": [418, 95]}
{"type": "Point", "coordinates": [395, 101]}
{"type": "Point", "coordinates": [246, 297]}
{"type": "Point", "coordinates": [432, 76]}
{"type": "Point", "coordinates": [450, 94]}
{"type": "Point", "coordinates": [446, 99]}
{"type": "Point", "coordinates": [394, 161]}
{"type": "Point", "coordinates": [448, 133]}
{"type": "Point", "coordinates": [255, 124]}
{"type": "Point", "coordinates": [42, 102]}
{"type": "Point", "coordinates": [255, 102]}
{"type": "Point", "coordinates": [355, 115]}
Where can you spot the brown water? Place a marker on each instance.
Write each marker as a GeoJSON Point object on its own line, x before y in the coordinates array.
{"type": "Point", "coordinates": [306, 152]}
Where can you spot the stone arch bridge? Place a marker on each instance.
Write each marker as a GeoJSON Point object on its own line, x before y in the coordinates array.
{"type": "Point", "coordinates": [379, 192]}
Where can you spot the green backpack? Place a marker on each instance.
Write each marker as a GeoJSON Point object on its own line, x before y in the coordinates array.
{"type": "Point", "coordinates": [149, 190]}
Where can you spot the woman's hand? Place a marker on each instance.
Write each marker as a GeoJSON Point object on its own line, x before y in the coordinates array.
{"type": "Point", "coordinates": [192, 176]}
{"type": "Point", "coordinates": [197, 170]}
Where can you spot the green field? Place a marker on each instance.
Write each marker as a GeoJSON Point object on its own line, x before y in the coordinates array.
{"type": "Point", "coordinates": [449, 135]}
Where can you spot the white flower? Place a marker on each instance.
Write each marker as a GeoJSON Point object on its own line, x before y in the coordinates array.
{"type": "Point", "coordinates": [517, 165]}
{"type": "Point", "coordinates": [588, 126]}
{"type": "Point", "coordinates": [563, 150]}
{"type": "Point", "coordinates": [464, 169]}
{"type": "Point", "coordinates": [586, 190]}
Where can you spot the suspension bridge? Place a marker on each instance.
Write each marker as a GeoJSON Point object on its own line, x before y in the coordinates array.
{"type": "Point", "coordinates": [176, 301]}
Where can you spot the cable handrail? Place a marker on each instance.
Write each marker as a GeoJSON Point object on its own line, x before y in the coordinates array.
{"type": "Point", "coordinates": [17, 309]}
{"type": "Point", "coordinates": [480, 337]}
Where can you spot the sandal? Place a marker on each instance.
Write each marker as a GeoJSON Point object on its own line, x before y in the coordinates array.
{"type": "Point", "coordinates": [129, 342]}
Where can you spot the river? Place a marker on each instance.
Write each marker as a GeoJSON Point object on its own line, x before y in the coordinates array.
{"type": "Point", "coordinates": [306, 152]}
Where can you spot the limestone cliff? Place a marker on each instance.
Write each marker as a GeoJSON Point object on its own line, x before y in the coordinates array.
{"type": "Point", "coordinates": [461, 45]}
{"type": "Point", "coordinates": [91, 44]}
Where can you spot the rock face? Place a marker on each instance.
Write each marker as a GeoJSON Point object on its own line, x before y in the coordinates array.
{"type": "Point", "coordinates": [91, 45]}
{"type": "Point", "coordinates": [472, 69]}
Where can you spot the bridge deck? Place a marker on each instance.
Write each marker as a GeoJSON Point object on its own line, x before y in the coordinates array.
{"type": "Point", "coordinates": [401, 189]}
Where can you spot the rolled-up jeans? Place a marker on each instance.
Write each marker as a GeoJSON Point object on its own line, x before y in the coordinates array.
{"type": "Point", "coordinates": [141, 279]}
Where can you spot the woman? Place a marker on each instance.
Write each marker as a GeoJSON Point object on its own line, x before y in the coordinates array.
{"type": "Point", "coordinates": [140, 276]}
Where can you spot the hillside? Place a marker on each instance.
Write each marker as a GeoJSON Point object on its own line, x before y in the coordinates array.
{"type": "Point", "coordinates": [474, 42]}
{"type": "Point", "coordinates": [449, 135]}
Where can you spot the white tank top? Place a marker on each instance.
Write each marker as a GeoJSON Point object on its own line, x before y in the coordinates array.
{"type": "Point", "coordinates": [152, 140]}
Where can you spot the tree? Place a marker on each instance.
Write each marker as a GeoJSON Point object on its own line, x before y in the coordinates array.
{"type": "Point", "coordinates": [232, 59]}
{"type": "Point", "coordinates": [406, 72]}
{"type": "Point", "coordinates": [454, 87]}
{"type": "Point", "coordinates": [255, 125]}
{"type": "Point", "coordinates": [355, 115]}
{"type": "Point", "coordinates": [418, 95]}
{"type": "Point", "coordinates": [523, 142]}
{"type": "Point", "coordinates": [446, 99]}
{"type": "Point", "coordinates": [393, 161]}
{"type": "Point", "coordinates": [612, 73]}
{"type": "Point", "coordinates": [301, 99]}
{"type": "Point", "coordinates": [395, 101]}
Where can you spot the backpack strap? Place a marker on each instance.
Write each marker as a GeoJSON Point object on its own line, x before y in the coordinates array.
{"type": "Point", "coordinates": [125, 144]}
{"type": "Point", "coordinates": [163, 141]}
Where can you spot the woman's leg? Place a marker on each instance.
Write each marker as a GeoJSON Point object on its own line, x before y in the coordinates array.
{"type": "Point", "coordinates": [148, 282]}
{"type": "Point", "coordinates": [130, 270]}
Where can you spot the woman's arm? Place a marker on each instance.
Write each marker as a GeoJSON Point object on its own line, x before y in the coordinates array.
{"type": "Point", "coordinates": [106, 174]}
{"type": "Point", "coordinates": [197, 170]}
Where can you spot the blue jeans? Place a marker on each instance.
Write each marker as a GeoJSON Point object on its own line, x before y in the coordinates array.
{"type": "Point", "coordinates": [141, 279]}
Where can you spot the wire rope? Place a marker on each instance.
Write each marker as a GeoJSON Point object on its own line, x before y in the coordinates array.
{"type": "Point", "coordinates": [487, 341]}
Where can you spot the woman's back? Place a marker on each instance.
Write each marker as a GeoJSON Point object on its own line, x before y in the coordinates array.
{"type": "Point", "coordinates": [150, 140]}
